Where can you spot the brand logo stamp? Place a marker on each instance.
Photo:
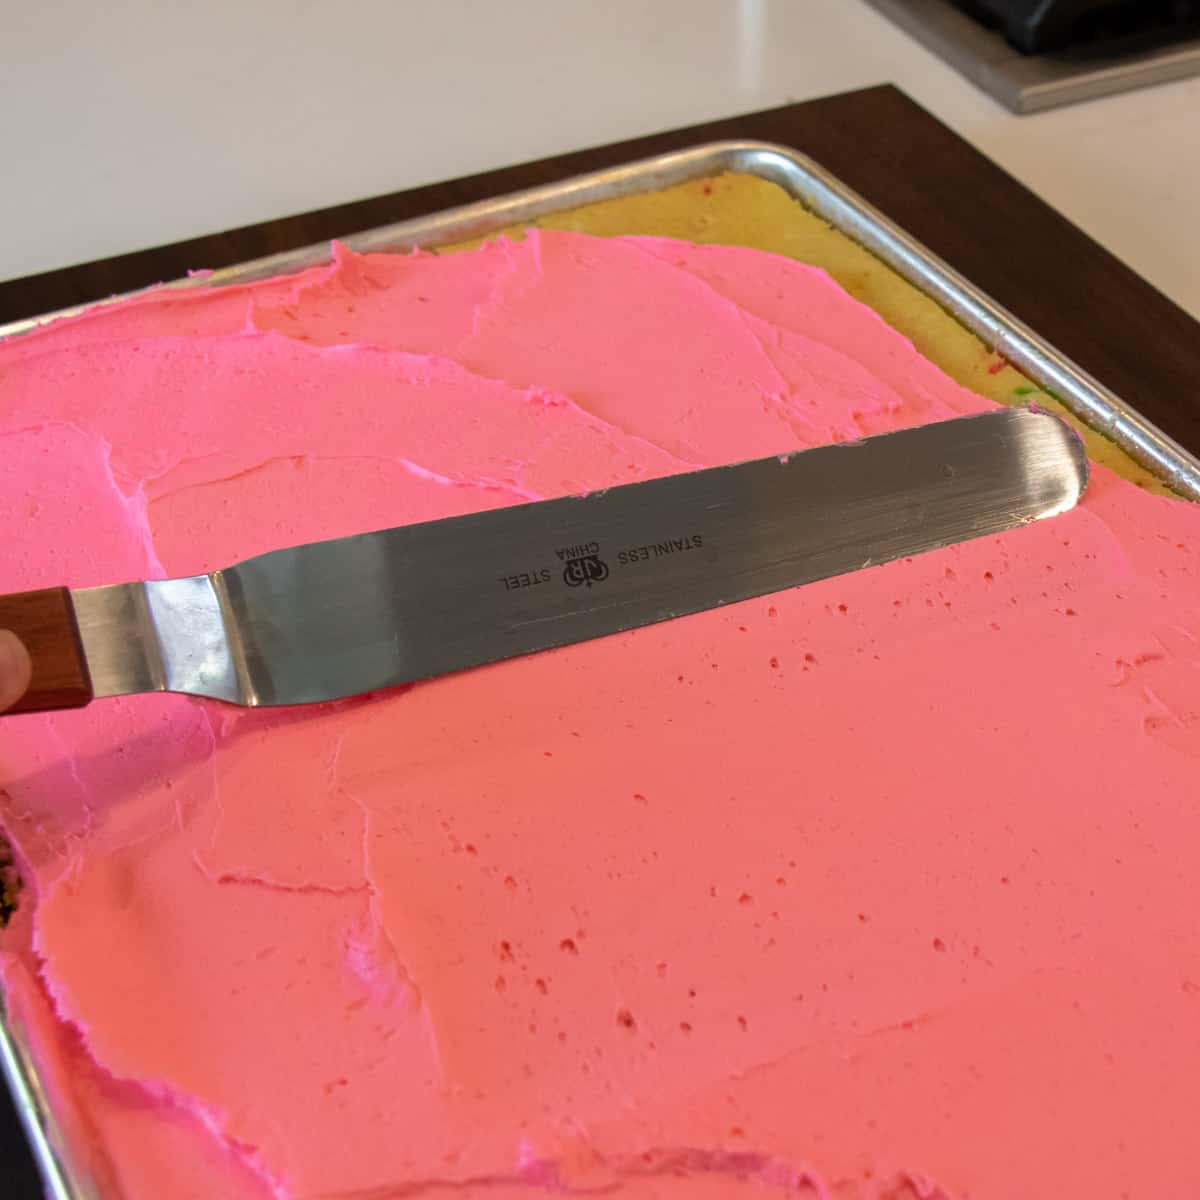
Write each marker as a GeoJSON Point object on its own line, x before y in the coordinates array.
{"type": "Point", "coordinates": [585, 570]}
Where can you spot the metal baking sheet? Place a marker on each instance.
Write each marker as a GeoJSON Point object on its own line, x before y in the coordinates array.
{"type": "Point", "coordinates": [814, 188]}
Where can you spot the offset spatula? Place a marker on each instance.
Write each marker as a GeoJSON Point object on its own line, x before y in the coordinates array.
{"type": "Point", "coordinates": [334, 618]}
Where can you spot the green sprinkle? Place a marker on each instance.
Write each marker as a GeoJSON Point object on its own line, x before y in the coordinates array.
{"type": "Point", "coordinates": [1024, 391]}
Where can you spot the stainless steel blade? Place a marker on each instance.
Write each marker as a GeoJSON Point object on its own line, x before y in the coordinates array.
{"type": "Point", "coordinates": [335, 618]}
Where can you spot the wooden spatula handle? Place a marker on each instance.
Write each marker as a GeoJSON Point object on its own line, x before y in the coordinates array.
{"type": "Point", "coordinates": [45, 622]}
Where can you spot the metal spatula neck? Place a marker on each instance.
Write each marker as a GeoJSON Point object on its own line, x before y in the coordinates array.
{"type": "Point", "coordinates": [172, 635]}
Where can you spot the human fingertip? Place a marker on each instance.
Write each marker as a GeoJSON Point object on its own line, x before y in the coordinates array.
{"type": "Point", "coordinates": [16, 668]}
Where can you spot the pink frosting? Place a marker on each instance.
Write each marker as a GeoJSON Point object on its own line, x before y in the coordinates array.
{"type": "Point", "coordinates": [879, 888]}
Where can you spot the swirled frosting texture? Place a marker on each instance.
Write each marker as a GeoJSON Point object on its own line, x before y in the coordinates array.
{"type": "Point", "coordinates": [880, 888]}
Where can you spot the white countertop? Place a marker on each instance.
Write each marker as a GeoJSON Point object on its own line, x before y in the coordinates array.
{"type": "Point", "coordinates": [139, 122]}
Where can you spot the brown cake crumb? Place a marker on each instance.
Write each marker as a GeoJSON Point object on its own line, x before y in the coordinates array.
{"type": "Point", "coordinates": [10, 883]}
